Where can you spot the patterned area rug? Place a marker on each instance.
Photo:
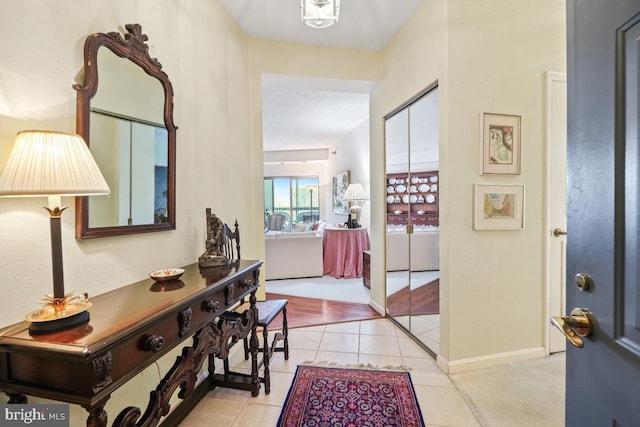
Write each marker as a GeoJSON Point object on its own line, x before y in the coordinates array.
{"type": "Point", "coordinates": [339, 397]}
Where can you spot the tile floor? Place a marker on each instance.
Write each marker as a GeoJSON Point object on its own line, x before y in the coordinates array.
{"type": "Point", "coordinates": [378, 342]}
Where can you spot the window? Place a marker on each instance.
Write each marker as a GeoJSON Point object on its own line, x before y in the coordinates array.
{"type": "Point", "coordinates": [296, 198]}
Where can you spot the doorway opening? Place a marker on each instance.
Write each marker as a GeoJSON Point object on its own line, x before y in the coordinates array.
{"type": "Point", "coordinates": [314, 129]}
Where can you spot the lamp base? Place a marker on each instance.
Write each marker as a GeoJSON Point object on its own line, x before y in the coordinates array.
{"type": "Point", "coordinates": [57, 325]}
{"type": "Point", "coordinates": [47, 320]}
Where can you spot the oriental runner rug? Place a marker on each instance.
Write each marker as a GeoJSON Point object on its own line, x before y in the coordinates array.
{"type": "Point", "coordinates": [344, 397]}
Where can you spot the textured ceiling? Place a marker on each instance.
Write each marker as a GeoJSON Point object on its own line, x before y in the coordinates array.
{"type": "Point", "coordinates": [301, 113]}
{"type": "Point", "coordinates": [363, 24]}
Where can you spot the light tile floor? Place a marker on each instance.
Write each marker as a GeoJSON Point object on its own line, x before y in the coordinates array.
{"type": "Point", "coordinates": [377, 342]}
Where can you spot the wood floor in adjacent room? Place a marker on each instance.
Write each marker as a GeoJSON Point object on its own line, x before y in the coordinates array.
{"type": "Point", "coordinates": [303, 311]}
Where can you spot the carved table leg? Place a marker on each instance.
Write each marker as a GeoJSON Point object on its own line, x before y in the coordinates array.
{"type": "Point", "coordinates": [212, 370]}
{"type": "Point", "coordinates": [97, 415]}
{"type": "Point", "coordinates": [253, 346]}
{"type": "Point", "coordinates": [17, 398]}
{"type": "Point", "coordinates": [266, 359]}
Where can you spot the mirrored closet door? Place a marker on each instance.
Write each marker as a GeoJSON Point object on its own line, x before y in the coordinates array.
{"type": "Point", "coordinates": [412, 238]}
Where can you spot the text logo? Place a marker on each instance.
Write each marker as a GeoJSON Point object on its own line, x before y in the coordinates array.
{"type": "Point", "coordinates": [52, 415]}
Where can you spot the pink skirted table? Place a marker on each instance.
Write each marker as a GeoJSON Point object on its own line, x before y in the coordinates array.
{"type": "Point", "coordinates": [342, 251]}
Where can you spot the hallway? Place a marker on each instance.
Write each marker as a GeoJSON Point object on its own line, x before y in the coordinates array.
{"type": "Point", "coordinates": [523, 394]}
{"type": "Point", "coordinates": [529, 393]}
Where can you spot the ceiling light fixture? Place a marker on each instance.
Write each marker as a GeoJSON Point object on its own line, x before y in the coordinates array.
{"type": "Point", "coordinates": [320, 13]}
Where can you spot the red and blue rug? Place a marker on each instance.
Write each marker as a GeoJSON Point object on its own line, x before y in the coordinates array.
{"type": "Point", "coordinates": [341, 397]}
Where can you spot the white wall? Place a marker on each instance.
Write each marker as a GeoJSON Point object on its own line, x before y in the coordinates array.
{"type": "Point", "coordinates": [352, 154]}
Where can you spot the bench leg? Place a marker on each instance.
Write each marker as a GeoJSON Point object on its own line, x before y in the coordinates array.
{"type": "Point", "coordinates": [285, 332]}
{"type": "Point", "coordinates": [266, 356]}
{"type": "Point", "coordinates": [246, 348]}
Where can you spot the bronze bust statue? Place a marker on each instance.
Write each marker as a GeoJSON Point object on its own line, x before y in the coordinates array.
{"type": "Point", "coordinates": [213, 255]}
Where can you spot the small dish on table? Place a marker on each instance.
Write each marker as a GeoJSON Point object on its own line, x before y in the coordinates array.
{"type": "Point", "coordinates": [166, 274]}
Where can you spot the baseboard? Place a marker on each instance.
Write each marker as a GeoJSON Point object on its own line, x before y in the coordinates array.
{"type": "Point", "coordinates": [462, 365]}
{"type": "Point", "coordinates": [376, 307]}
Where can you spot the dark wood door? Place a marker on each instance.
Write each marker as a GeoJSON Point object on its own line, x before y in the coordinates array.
{"type": "Point", "coordinates": [603, 377]}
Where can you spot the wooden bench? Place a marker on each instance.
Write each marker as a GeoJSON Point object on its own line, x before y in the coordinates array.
{"type": "Point", "coordinates": [267, 311]}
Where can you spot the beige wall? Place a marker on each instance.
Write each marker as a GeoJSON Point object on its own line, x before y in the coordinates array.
{"type": "Point", "coordinates": [205, 55]}
{"type": "Point", "coordinates": [487, 56]}
{"type": "Point", "coordinates": [508, 46]}
{"type": "Point", "coordinates": [218, 164]}
{"type": "Point", "coordinates": [412, 61]}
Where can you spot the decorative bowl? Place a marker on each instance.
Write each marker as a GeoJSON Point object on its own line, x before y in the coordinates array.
{"type": "Point", "coordinates": [166, 274]}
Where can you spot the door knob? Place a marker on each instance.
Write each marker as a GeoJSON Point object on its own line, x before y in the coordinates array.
{"type": "Point", "coordinates": [576, 326]}
{"type": "Point", "coordinates": [558, 232]}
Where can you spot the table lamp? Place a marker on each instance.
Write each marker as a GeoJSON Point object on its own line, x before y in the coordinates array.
{"type": "Point", "coordinates": [355, 193]}
{"type": "Point", "coordinates": [53, 164]}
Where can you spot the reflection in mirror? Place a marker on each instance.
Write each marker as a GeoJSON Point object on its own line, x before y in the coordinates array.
{"type": "Point", "coordinates": [412, 238]}
{"type": "Point", "coordinates": [397, 246]}
{"type": "Point", "coordinates": [125, 114]}
{"type": "Point", "coordinates": [424, 241]}
{"type": "Point", "coordinates": [133, 159]}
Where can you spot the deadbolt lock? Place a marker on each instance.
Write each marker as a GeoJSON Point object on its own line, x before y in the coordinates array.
{"type": "Point", "coordinates": [584, 282]}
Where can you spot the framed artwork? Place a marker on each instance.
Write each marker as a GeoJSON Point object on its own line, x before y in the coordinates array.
{"type": "Point", "coordinates": [339, 186]}
{"type": "Point", "coordinates": [500, 144]}
{"type": "Point", "coordinates": [498, 207]}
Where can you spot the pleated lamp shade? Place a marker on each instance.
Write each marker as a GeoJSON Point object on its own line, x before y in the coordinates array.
{"type": "Point", "coordinates": [44, 163]}
{"type": "Point", "coordinates": [355, 192]}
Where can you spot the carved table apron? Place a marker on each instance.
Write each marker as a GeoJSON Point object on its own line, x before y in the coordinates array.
{"type": "Point", "coordinates": [131, 328]}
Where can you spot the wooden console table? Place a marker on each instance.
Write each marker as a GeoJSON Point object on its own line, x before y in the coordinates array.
{"type": "Point", "coordinates": [131, 328]}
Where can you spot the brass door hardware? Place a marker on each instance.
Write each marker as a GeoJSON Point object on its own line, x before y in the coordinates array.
{"type": "Point", "coordinates": [583, 281]}
{"type": "Point", "coordinates": [558, 232]}
{"type": "Point", "coordinates": [576, 326]}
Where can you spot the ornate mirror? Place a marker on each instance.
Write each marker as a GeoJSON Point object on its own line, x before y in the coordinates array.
{"type": "Point", "coordinates": [125, 115]}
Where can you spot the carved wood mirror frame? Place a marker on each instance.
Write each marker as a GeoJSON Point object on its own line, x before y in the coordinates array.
{"type": "Point", "coordinates": [133, 48]}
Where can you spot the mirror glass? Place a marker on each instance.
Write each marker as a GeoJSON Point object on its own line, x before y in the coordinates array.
{"type": "Point", "coordinates": [397, 246]}
{"type": "Point", "coordinates": [412, 237]}
{"type": "Point", "coordinates": [125, 114]}
{"type": "Point", "coordinates": [424, 280]}
{"type": "Point", "coordinates": [129, 143]}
